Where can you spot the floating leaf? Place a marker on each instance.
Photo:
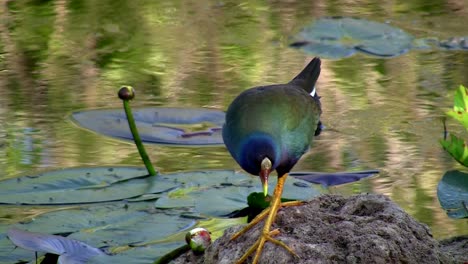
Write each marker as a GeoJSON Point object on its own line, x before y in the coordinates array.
{"type": "Point", "coordinates": [70, 250]}
{"type": "Point", "coordinates": [227, 193]}
{"type": "Point", "coordinates": [338, 37]}
{"type": "Point", "coordinates": [178, 126]}
{"type": "Point", "coordinates": [454, 43]}
{"type": "Point", "coordinates": [130, 229]}
{"type": "Point", "coordinates": [325, 50]}
{"type": "Point", "coordinates": [332, 179]}
{"type": "Point", "coordinates": [126, 230]}
{"type": "Point", "coordinates": [452, 192]}
{"type": "Point", "coordinates": [138, 255]}
{"type": "Point", "coordinates": [81, 185]}
{"type": "Point", "coordinates": [99, 222]}
{"type": "Point", "coordinates": [100, 184]}
{"type": "Point", "coordinates": [117, 226]}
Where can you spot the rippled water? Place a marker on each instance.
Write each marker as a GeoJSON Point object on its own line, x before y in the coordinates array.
{"type": "Point", "coordinates": [62, 56]}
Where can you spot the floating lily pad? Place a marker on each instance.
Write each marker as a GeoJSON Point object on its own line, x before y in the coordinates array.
{"type": "Point", "coordinates": [452, 192]}
{"type": "Point", "coordinates": [338, 37]}
{"type": "Point", "coordinates": [228, 193]}
{"type": "Point", "coordinates": [454, 43]}
{"type": "Point", "coordinates": [118, 227]}
{"type": "Point", "coordinates": [176, 126]}
{"type": "Point", "coordinates": [333, 179]}
{"type": "Point", "coordinates": [128, 231]}
{"type": "Point", "coordinates": [81, 185]}
{"type": "Point", "coordinates": [70, 250]}
{"type": "Point", "coordinates": [103, 184]}
{"type": "Point", "coordinates": [138, 255]}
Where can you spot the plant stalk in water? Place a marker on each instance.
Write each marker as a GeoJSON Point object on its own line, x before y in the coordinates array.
{"type": "Point", "coordinates": [127, 93]}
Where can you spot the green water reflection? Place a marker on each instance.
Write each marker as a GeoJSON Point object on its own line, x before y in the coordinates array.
{"type": "Point", "coordinates": [61, 56]}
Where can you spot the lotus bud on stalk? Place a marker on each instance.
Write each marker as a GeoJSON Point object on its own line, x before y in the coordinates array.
{"type": "Point", "coordinates": [127, 93]}
{"type": "Point", "coordinates": [198, 239]}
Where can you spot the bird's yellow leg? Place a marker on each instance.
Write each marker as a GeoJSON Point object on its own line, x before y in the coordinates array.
{"type": "Point", "coordinates": [262, 215]}
{"type": "Point", "coordinates": [252, 223]}
{"type": "Point", "coordinates": [267, 235]}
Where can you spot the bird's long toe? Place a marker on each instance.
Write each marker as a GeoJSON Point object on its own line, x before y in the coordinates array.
{"type": "Point", "coordinates": [259, 244]}
{"type": "Point", "coordinates": [262, 216]}
{"type": "Point", "coordinates": [252, 223]}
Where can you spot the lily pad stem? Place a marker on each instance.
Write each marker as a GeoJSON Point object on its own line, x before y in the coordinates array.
{"type": "Point", "coordinates": [127, 93]}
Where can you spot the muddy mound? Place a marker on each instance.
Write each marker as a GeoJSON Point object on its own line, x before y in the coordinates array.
{"type": "Point", "coordinates": [365, 228]}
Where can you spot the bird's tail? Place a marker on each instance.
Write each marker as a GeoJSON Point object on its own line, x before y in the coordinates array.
{"type": "Point", "coordinates": [308, 76]}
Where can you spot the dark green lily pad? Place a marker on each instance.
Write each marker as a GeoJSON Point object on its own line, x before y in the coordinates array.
{"type": "Point", "coordinates": [131, 228]}
{"type": "Point", "coordinates": [338, 37]}
{"type": "Point", "coordinates": [104, 184]}
{"type": "Point", "coordinates": [96, 218]}
{"type": "Point", "coordinates": [129, 231]}
{"type": "Point", "coordinates": [325, 50]}
{"type": "Point", "coordinates": [228, 193]}
{"type": "Point", "coordinates": [118, 227]}
{"type": "Point", "coordinates": [333, 179]}
{"type": "Point", "coordinates": [176, 126]}
{"type": "Point", "coordinates": [138, 255]}
{"type": "Point", "coordinates": [452, 192]}
{"type": "Point", "coordinates": [81, 185]}
{"type": "Point", "coordinates": [139, 226]}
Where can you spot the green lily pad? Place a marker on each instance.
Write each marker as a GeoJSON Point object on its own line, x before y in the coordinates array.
{"type": "Point", "coordinates": [452, 192]}
{"type": "Point", "coordinates": [325, 50]}
{"type": "Point", "coordinates": [138, 255]}
{"type": "Point", "coordinates": [125, 230]}
{"type": "Point", "coordinates": [82, 185]}
{"type": "Point", "coordinates": [118, 227]}
{"type": "Point", "coordinates": [175, 126]}
{"type": "Point", "coordinates": [134, 224]}
{"type": "Point", "coordinates": [228, 193]}
{"type": "Point", "coordinates": [338, 37]}
{"type": "Point", "coordinates": [333, 179]}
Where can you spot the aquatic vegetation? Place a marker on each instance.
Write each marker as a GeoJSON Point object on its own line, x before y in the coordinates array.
{"type": "Point", "coordinates": [341, 37]}
{"type": "Point", "coordinates": [452, 190]}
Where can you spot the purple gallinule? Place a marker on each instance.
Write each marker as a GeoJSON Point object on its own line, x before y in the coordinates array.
{"type": "Point", "coordinates": [269, 128]}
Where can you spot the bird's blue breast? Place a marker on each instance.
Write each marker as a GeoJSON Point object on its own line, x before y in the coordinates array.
{"type": "Point", "coordinates": [251, 149]}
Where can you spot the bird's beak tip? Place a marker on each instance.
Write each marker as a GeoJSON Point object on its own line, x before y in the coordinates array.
{"type": "Point", "coordinates": [265, 189]}
{"type": "Point", "coordinates": [265, 169]}
{"type": "Point", "coordinates": [264, 178]}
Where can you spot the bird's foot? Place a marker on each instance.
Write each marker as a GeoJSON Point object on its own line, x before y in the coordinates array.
{"type": "Point", "coordinates": [258, 246]}
{"type": "Point", "coordinates": [261, 216]}
{"type": "Point", "coordinates": [266, 235]}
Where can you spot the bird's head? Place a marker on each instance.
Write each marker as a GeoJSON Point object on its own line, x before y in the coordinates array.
{"type": "Point", "coordinates": [259, 155]}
